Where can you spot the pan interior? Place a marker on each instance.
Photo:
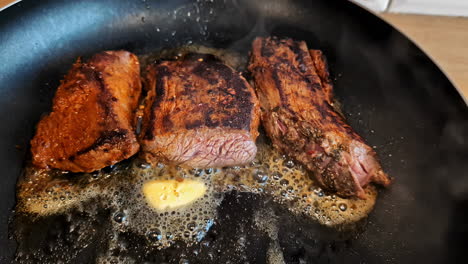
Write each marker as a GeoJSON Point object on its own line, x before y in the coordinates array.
{"type": "Point", "coordinates": [113, 197]}
{"type": "Point", "coordinates": [393, 95]}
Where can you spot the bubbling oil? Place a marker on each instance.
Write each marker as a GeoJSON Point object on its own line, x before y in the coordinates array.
{"type": "Point", "coordinates": [41, 193]}
{"type": "Point", "coordinates": [43, 196]}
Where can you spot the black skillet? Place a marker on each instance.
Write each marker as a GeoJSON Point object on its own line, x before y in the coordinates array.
{"type": "Point", "coordinates": [391, 92]}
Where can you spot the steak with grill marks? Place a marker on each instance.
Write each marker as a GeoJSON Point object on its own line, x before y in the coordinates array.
{"type": "Point", "coordinates": [91, 125]}
{"type": "Point", "coordinates": [296, 98]}
{"type": "Point", "coordinates": [199, 113]}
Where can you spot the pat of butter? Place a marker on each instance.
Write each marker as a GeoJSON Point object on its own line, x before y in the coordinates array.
{"type": "Point", "coordinates": [163, 195]}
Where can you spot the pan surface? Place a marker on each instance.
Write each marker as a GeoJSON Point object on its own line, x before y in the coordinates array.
{"type": "Point", "coordinates": [392, 93]}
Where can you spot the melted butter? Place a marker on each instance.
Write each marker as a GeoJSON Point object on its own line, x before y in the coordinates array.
{"type": "Point", "coordinates": [164, 195]}
{"type": "Point", "coordinates": [163, 222]}
{"type": "Point", "coordinates": [123, 191]}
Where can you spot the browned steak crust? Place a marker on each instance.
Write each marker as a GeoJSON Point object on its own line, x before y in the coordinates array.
{"type": "Point", "coordinates": [199, 112]}
{"type": "Point", "coordinates": [91, 125]}
{"type": "Point", "coordinates": [296, 99]}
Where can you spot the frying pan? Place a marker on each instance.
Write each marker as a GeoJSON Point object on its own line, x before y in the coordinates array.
{"type": "Point", "coordinates": [391, 92]}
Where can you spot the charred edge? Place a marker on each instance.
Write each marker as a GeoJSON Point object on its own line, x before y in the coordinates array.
{"type": "Point", "coordinates": [303, 70]}
{"type": "Point", "coordinates": [300, 54]}
{"type": "Point", "coordinates": [138, 125]}
{"type": "Point", "coordinates": [204, 71]}
{"type": "Point", "coordinates": [279, 86]}
{"type": "Point", "coordinates": [193, 124]}
{"type": "Point", "coordinates": [108, 137]}
{"type": "Point", "coordinates": [161, 72]}
{"type": "Point", "coordinates": [267, 51]}
{"type": "Point", "coordinates": [325, 110]}
{"type": "Point", "coordinates": [235, 92]}
{"type": "Point", "coordinates": [105, 99]}
{"type": "Point", "coordinates": [243, 99]}
{"type": "Point", "coordinates": [324, 75]}
{"type": "Point", "coordinates": [208, 120]}
{"type": "Point", "coordinates": [321, 65]}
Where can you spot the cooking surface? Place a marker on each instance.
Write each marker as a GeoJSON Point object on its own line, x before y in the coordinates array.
{"type": "Point", "coordinates": [393, 95]}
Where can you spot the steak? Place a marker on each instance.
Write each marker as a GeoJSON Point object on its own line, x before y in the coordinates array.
{"type": "Point", "coordinates": [92, 122]}
{"type": "Point", "coordinates": [200, 113]}
{"type": "Point", "coordinates": [298, 114]}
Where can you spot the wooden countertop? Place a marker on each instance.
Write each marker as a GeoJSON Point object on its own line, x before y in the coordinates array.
{"type": "Point", "coordinates": [444, 39]}
{"type": "Point", "coordinates": [4, 3]}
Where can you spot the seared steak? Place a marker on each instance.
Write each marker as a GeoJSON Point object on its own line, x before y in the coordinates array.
{"type": "Point", "coordinates": [299, 117]}
{"type": "Point", "coordinates": [91, 125]}
{"type": "Point", "coordinates": [200, 113]}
